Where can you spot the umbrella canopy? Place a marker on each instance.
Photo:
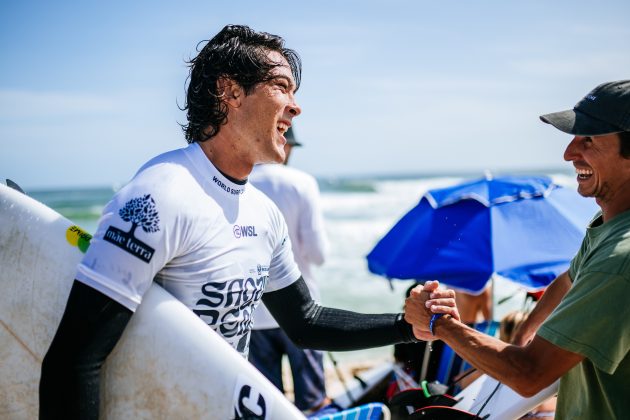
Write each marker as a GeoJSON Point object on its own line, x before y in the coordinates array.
{"type": "Point", "coordinates": [526, 229]}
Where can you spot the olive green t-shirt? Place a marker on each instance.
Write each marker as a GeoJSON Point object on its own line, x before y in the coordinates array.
{"type": "Point", "coordinates": [593, 320]}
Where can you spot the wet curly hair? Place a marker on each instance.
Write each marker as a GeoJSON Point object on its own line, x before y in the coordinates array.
{"type": "Point", "coordinates": [239, 53]}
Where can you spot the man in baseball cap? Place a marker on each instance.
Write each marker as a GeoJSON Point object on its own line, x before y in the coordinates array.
{"type": "Point", "coordinates": [290, 144]}
{"type": "Point", "coordinates": [291, 141]}
{"type": "Point", "coordinates": [580, 330]}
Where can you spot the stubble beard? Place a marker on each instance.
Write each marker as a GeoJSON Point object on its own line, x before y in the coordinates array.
{"type": "Point", "coordinates": [604, 194]}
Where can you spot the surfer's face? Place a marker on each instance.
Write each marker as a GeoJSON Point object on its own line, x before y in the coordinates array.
{"type": "Point", "coordinates": [263, 116]}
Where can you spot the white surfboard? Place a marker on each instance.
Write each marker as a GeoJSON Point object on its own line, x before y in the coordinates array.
{"type": "Point", "coordinates": [168, 364]}
{"type": "Point", "coordinates": [486, 396]}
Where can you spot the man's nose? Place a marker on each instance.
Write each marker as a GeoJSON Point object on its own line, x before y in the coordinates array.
{"type": "Point", "coordinates": [570, 152]}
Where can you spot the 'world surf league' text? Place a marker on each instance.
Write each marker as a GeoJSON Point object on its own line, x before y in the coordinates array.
{"type": "Point", "coordinates": [233, 191]}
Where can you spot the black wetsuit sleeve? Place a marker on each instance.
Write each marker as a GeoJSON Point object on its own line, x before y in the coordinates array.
{"type": "Point", "coordinates": [91, 326]}
{"type": "Point", "coordinates": [312, 326]}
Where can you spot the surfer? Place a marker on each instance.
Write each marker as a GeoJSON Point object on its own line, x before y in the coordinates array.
{"type": "Point", "coordinates": [190, 221]}
{"type": "Point", "coordinates": [580, 329]}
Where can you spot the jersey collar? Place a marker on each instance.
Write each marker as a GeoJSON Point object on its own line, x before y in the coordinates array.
{"type": "Point", "coordinates": [215, 179]}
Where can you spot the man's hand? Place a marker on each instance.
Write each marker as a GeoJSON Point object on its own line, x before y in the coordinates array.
{"type": "Point", "coordinates": [424, 302]}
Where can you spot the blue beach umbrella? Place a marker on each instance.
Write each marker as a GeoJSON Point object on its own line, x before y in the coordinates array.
{"type": "Point", "coordinates": [526, 229]}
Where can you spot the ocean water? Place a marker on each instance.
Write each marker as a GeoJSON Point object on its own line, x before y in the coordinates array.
{"type": "Point", "coordinates": [357, 214]}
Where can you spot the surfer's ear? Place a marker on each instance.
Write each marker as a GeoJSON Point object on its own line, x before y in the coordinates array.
{"type": "Point", "coordinates": [229, 91]}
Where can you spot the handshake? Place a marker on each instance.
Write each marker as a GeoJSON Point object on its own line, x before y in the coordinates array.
{"type": "Point", "coordinates": [425, 305]}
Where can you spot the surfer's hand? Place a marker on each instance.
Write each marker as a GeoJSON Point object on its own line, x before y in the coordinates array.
{"type": "Point", "coordinates": [416, 312]}
{"type": "Point", "coordinates": [423, 335]}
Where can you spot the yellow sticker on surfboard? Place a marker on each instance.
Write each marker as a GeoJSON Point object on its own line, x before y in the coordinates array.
{"type": "Point", "coordinates": [78, 237]}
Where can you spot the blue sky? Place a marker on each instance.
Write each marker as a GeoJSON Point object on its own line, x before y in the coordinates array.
{"type": "Point", "coordinates": [90, 90]}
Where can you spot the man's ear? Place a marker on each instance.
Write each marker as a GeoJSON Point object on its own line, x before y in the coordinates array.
{"type": "Point", "coordinates": [230, 92]}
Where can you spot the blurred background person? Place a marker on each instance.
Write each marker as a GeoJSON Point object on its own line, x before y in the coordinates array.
{"type": "Point", "coordinates": [474, 309]}
{"type": "Point", "coordinates": [296, 194]}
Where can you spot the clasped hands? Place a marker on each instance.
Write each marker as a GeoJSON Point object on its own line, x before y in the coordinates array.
{"type": "Point", "coordinates": [424, 302]}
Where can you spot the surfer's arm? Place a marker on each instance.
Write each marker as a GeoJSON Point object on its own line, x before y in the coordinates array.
{"type": "Point", "coordinates": [549, 301]}
{"type": "Point", "coordinates": [312, 326]}
{"type": "Point", "coordinates": [90, 327]}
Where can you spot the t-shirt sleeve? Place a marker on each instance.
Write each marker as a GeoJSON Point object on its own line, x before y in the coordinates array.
{"type": "Point", "coordinates": [283, 270]}
{"type": "Point", "coordinates": [573, 266]}
{"type": "Point", "coordinates": [592, 319]}
{"type": "Point", "coordinates": [132, 243]}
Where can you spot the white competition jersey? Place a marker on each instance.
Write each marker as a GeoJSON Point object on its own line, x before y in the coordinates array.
{"type": "Point", "coordinates": [297, 196]}
{"type": "Point", "coordinates": [214, 244]}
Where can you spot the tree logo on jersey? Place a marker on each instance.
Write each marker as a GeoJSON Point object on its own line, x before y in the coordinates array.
{"type": "Point", "coordinates": [141, 212]}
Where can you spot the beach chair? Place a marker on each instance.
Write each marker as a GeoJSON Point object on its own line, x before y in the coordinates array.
{"type": "Point", "coordinates": [451, 365]}
{"type": "Point", "coordinates": [433, 398]}
{"type": "Point", "coordinates": [370, 411]}
{"type": "Point", "coordinates": [405, 403]}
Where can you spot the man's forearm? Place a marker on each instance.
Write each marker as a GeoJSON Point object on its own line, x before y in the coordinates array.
{"type": "Point", "coordinates": [527, 369]}
{"type": "Point", "coordinates": [549, 301]}
{"type": "Point", "coordinates": [486, 353]}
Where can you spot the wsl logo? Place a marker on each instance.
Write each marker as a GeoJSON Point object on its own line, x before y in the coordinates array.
{"type": "Point", "coordinates": [140, 212]}
{"type": "Point", "coordinates": [244, 231]}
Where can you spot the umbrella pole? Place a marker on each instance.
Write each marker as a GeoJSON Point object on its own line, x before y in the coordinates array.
{"type": "Point", "coordinates": [351, 399]}
{"type": "Point", "coordinates": [425, 362]}
{"type": "Point", "coordinates": [492, 284]}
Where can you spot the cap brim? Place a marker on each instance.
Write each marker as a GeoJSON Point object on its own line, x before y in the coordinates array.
{"type": "Point", "coordinates": [579, 124]}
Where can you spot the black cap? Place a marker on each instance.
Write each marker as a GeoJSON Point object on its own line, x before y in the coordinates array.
{"type": "Point", "coordinates": [605, 110]}
{"type": "Point", "coordinates": [291, 138]}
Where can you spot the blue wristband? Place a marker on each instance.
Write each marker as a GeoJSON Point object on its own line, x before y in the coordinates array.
{"type": "Point", "coordinates": [434, 318]}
